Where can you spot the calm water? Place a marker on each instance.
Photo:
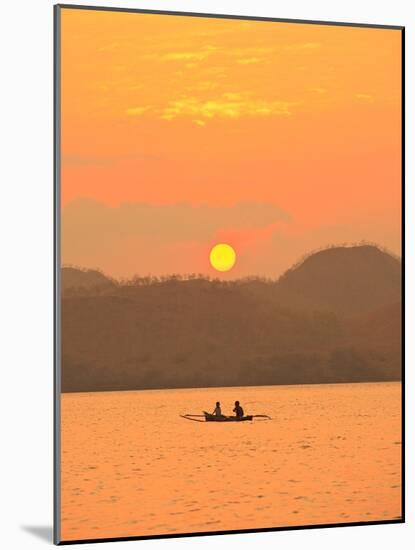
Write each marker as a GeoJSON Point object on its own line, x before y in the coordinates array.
{"type": "Point", "coordinates": [131, 466]}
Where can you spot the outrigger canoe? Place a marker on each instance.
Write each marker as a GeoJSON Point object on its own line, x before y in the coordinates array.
{"type": "Point", "coordinates": [208, 417]}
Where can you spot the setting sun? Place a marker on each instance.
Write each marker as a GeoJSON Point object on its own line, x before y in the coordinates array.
{"type": "Point", "coordinates": [222, 257]}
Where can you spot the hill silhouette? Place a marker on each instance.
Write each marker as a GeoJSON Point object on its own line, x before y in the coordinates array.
{"type": "Point", "coordinates": [195, 332]}
{"type": "Point", "coordinates": [74, 279]}
{"type": "Point", "coordinates": [347, 280]}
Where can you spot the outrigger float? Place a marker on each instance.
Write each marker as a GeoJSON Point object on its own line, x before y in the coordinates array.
{"type": "Point", "coordinates": [208, 417]}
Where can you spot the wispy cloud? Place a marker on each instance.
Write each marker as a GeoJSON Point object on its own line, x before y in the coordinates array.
{"type": "Point", "coordinates": [318, 90]}
{"type": "Point", "coordinates": [136, 111]}
{"type": "Point", "coordinates": [249, 51]}
{"type": "Point", "coordinates": [206, 85]}
{"type": "Point", "coordinates": [249, 60]}
{"type": "Point", "coordinates": [227, 105]}
{"type": "Point", "coordinates": [304, 46]}
{"type": "Point", "coordinates": [198, 55]}
{"type": "Point", "coordinates": [366, 97]}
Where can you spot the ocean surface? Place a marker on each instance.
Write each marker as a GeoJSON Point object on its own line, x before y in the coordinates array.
{"type": "Point", "coordinates": [132, 467]}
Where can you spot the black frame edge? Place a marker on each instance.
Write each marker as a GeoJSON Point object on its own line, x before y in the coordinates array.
{"type": "Point", "coordinates": [403, 289]}
{"type": "Point", "coordinates": [56, 275]}
{"type": "Point", "coordinates": [230, 16]}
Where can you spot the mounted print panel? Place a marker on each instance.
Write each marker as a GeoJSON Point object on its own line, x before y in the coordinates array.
{"type": "Point", "coordinates": [228, 253]}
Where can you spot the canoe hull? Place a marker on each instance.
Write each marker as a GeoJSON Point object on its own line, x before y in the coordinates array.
{"type": "Point", "coordinates": [213, 418]}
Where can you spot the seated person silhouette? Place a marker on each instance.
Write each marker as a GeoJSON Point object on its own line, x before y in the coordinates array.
{"type": "Point", "coordinates": [238, 410]}
{"type": "Point", "coordinates": [218, 410]}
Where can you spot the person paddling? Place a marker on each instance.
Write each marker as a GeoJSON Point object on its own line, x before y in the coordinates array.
{"type": "Point", "coordinates": [218, 410]}
{"type": "Point", "coordinates": [238, 410]}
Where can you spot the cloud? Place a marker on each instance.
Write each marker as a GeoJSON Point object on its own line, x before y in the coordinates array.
{"type": "Point", "coordinates": [319, 91]}
{"type": "Point", "coordinates": [134, 111]}
{"type": "Point", "coordinates": [366, 97]}
{"type": "Point", "coordinates": [249, 51]}
{"type": "Point", "coordinates": [198, 55]}
{"type": "Point", "coordinates": [233, 96]}
{"type": "Point", "coordinates": [249, 60]}
{"type": "Point", "coordinates": [206, 85]}
{"type": "Point", "coordinates": [301, 47]}
{"type": "Point", "coordinates": [90, 227]}
{"type": "Point", "coordinates": [227, 105]}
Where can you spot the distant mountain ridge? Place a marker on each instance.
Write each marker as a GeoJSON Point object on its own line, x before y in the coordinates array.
{"type": "Point", "coordinates": [333, 318]}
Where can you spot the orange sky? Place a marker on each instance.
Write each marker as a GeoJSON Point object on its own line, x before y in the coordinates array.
{"type": "Point", "coordinates": [179, 132]}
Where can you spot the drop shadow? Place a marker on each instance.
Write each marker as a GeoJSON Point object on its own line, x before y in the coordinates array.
{"type": "Point", "coordinates": [43, 532]}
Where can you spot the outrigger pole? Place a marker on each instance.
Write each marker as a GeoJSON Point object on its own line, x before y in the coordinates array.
{"type": "Point", "coordinates": [190, 417]}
